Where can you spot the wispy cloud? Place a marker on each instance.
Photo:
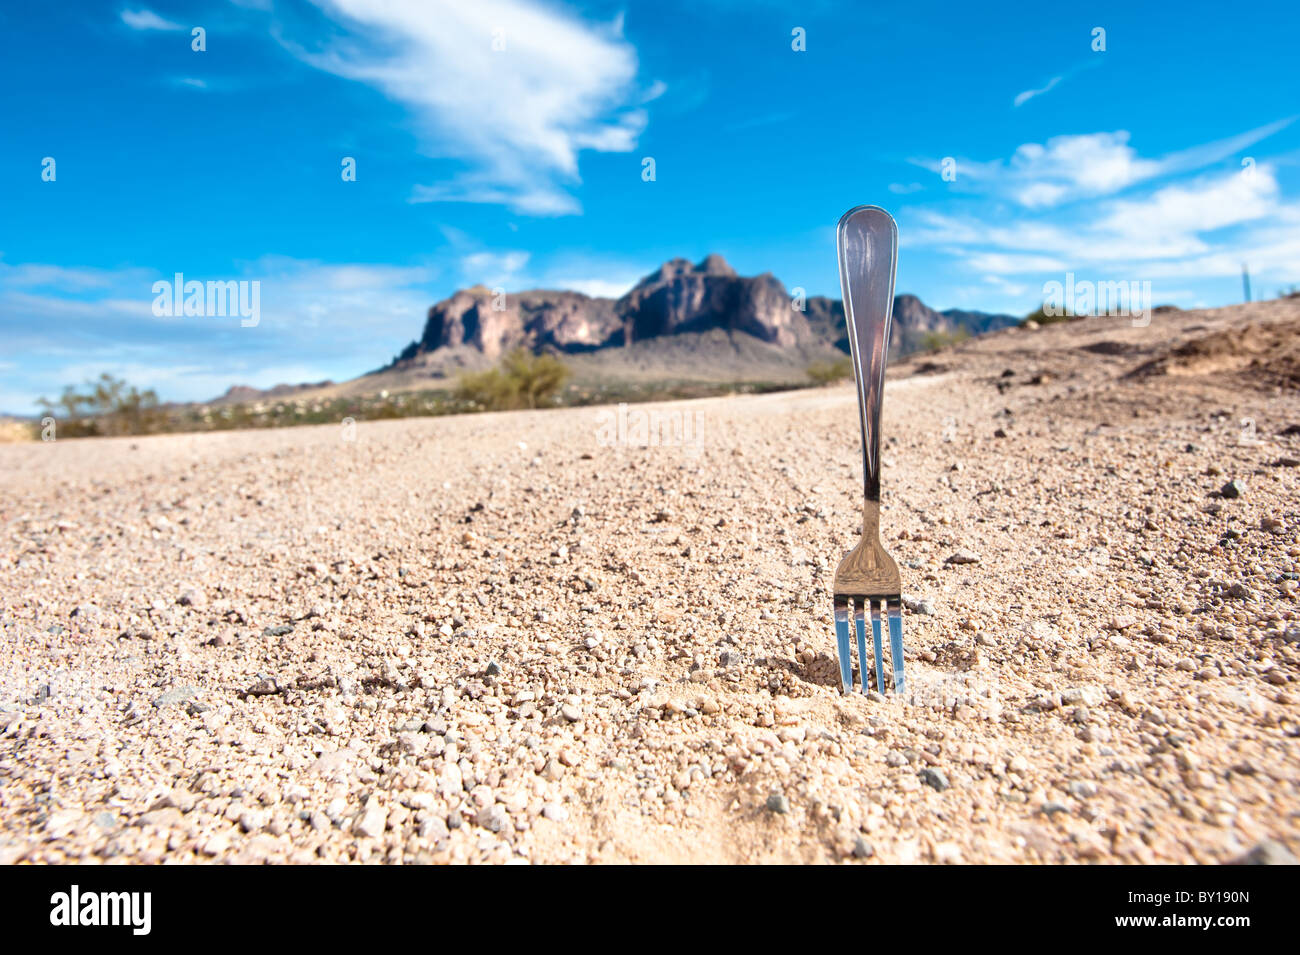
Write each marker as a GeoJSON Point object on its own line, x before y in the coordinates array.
{"type": "Point", "coordinates": [335, 320]}
{"type": "Point", "coordinates": [496, 268]}
{"type": "Point", "coordinates": [1040, 175]}
{"type": "Point", "coordinates": [1093, 205]}
{"type": "Point", "coordinates": [1176, 230]}
{"type": "Point", "coordinates": [1024, 97]}
{"type": "Point", "coordinates": [147, 20]}
{"type": "Point", "coordinates": [512, 89]}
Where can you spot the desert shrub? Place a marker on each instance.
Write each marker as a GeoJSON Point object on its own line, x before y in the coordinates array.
{"type": "Point", "coordinates": [107, 406]}
{"type": "Point", "coordinates": [933, 341]}
{"type": "Point", "coordinates": [522, 380]}
{"type": "Point", "coordinates": [1039, 316]}
{"type": "Point", "coordinates": [829, 372]}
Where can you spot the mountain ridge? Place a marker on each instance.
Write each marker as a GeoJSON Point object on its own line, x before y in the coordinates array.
{"type": "Point", "coordinates": [677, 298]}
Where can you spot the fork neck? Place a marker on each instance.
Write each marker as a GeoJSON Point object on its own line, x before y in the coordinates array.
{"type": "Point", "coordinates": [871, 519]}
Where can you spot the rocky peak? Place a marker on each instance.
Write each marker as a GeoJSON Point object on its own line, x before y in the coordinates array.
{"type": "Point", "coordinates": [679, 297]}
{"type": "Point", "coordinates": [712, 265]}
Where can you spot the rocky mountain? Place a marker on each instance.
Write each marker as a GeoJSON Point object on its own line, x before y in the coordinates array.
{"type": "Point", "coordinates": [238, 394]}
{"type": "Point", "coordinates": [679, 298]}
{"type": "Point", "coordinates": [913, 320]}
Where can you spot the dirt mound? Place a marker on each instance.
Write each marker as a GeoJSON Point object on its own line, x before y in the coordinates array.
{"type": "Point", "coordinates": [1263, 355]}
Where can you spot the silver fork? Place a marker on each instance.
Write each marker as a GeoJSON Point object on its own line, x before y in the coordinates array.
{"type": "Point", "coordinates": [867, 240]}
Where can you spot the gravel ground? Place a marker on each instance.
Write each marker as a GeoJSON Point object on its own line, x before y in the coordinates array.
{"type": "Point", "coordinates": [521, 637]}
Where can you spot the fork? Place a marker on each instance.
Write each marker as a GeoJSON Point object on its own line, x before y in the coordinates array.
{"type": "Point", "coordinates": [867, 241]}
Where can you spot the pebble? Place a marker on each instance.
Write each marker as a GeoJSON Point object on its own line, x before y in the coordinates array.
{"type": "Point", "coordinates": [1233, 489]}
{"type": "Point", "coordinates": [963, 557]}
{"type": "Point", "coordinates": [1269, 852]}
{"type": "Point", "coordinates": [413, 744]}
{"type": "Point", "coordinates": [254, 820]}
{"type": "Point", "coordinates": [263, 687]}
{"type": "Point", "coordinates": [934, 778]}
{"type": "Point", "coordinates": [494, 818]}
{"type": "Point", "coordinates": [192, 597]}
{"type": "Point", "coordinates": [432, 826]}
{"type": "Point", "coordinates": [162, 818]}
{"type": "Point", "coordinates": [1082, 789]}
{"type": "Point", "coordinates": [372, 821]}
{"type": "Point", "coordinates": [178, 695]}
{"type": "Point", "coordinates": [1082, 696]}
{"type": "Point", "coordinates": [778, 804]}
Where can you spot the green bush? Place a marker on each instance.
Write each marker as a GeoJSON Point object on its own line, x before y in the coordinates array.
{"type": "Point", "coordinates": [107, 406]}
{"type": "Point", "coordinates": [933, 341]}
{"type": "Point", "coordinates": [829, 372]}
{"type": "Point", "coordinates": [1040, 317]}
{"type": "Point", "coordinates": [522, 380]}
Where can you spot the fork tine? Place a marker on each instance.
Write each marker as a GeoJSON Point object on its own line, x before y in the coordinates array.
{"type": "Point", "coordinates": [896, 642]}
{"type": "Point", "coordinates": [860, 625]}
{"type": "Point", "coordinates": [879, 647]}
{"type": "Point", "coordinates": [842, 642]}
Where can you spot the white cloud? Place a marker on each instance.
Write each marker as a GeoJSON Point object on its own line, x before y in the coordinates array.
{"type": "Point", "coordinates": [598, 288]}
{"type": "Point", "coordinates": [32, 274]}
{"type": "Point", "coordinates": [1002, 285]}
{"type": "Point", "coordinates": [1198, 229]}
{"type": "Point", "coordinates": [493, 268]}
{"type": "Point", "coordinates": [1092, 165]}
{"type": "Point", "coordinates": [1002, 263]}
{"type": "Point", "coordinates": [1027, 95]}
{"type": "Point", "coordinates": [1198, 207]}
{"type": "Point", "coordinates": [1099, 164]}
{"type": "Point", "coordinates": [64, 324]}
{"type": "Point", "coordinates": [147, 20]}
{"type": "Point", "coordinates": [516, 117]}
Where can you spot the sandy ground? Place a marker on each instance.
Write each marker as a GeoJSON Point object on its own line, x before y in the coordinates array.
{"type": "Point", "coordinates": [520, 637]}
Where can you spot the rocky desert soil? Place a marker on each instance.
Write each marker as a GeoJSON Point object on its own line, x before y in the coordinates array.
{"type": "Point", "coordinates": [523, 638]}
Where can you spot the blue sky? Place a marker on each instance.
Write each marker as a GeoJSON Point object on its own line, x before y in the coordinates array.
{"type": "Point", "coordinates": [1171, 156]}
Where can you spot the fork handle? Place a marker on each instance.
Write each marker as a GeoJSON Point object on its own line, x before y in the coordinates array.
{"type": "Point", "coordinates": [867, 241]}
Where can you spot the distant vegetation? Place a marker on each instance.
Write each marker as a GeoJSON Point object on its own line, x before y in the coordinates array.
{"type": "Point", "coordinates": [115, 408]}
{"type": "Point", "coordinates": [1040, 317]}
{"type": "Point", "coordinates": [829, 372]}
{"type": "Point", "coordinates": [522, 380]}
{"type": "Point", "coordinates": [107, 406]}
{"type": "Point", "coordinates": [933, 341]}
